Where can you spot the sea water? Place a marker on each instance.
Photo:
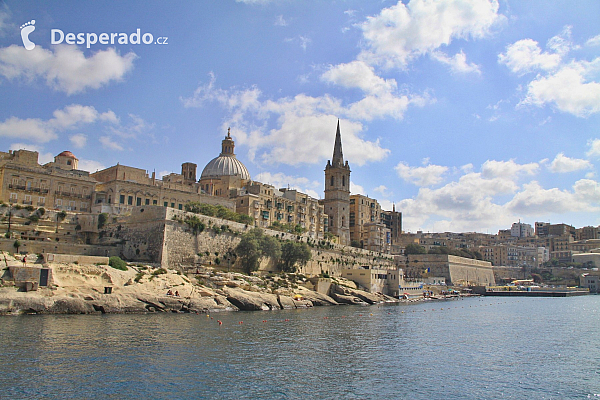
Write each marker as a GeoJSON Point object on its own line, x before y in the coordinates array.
{"type": "Point", "coordinates": [478, 348]}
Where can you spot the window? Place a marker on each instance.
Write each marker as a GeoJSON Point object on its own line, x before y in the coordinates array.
{"type": "Point", "coordinates": [172, 205]}
{"type": "Point", "coordinates": [180, 207]}
{"type": "Point", "coordinates": [59, 202]}
{"type": "Point", "coordinates": [130, 200]}
{"type": "Point", "coordinates": [165, 204]}
{"type": "Point", "coordinates": [27, 199]}
{"type": "Point", "coordinates": [147, 202]}
{"type": "Point", "coordinates": [122, 199]}
{"type": "Point", "coordinates": [331, 184]}
{"type": "Point", "coordinates": [68, 162]}
{"type": "Point", "coordinates": [343, 180]}
{"type": "Point", "coordinates": [155, 202]}
{"type": "Point", "coordinates": [138, 201]}
{"type": "Point", "coordinates": [41, 201]}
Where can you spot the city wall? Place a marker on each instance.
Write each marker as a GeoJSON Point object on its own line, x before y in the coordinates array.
{"type": "Point", "coordinates": [154, 234]}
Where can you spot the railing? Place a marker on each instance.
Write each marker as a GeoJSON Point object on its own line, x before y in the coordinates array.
{"type": "Point", "coordinates": [27, 189]}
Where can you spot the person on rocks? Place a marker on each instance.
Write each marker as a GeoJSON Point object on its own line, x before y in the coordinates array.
{"type": "Point", "coordinates": [169, 293]}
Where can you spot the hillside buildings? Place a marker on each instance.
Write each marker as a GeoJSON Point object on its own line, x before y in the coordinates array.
{"type": "Point", "coordinates": [56, 185]}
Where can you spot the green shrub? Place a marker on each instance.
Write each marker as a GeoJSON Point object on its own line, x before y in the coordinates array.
{"type": "Point", "coordinates": [159, 271]}
{"type": "Point", "coordinates": [117, 263]}
{"type": "Point", "coordinates": [139, 276]}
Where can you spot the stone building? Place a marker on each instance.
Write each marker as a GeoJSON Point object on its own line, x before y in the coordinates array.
{"type": "Point", "coordinates": [337, 192]}
{"type": "Point", "coordinates": [120, 188]}
{"type": "Point", "coordinates": [269, 205]}
{"type": "Point", "coordinates": [393, 221]}
{"type": "Point", "coordinates": [57, 185]}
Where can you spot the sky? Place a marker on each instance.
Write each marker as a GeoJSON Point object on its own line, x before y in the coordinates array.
{"type": "Point", "coordinates": [466, 115]}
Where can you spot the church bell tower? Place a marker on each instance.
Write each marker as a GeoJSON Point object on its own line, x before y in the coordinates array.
{"type": "Point", "coordinates": [337, 192]}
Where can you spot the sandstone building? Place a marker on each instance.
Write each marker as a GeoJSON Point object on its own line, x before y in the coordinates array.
{"type": "Point", "coordinates": [56, 185]}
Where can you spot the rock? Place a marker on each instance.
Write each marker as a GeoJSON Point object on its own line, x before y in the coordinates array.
{"type": "Point", "coordinates": [210, 304]}
{"type": "Point", "coordinates": [286, 302]}
{"type": "Point", "coordinates": [118, 304]}
{"type": "Point", "coordinates": [345, 299]}
{"type": "Point", "coordinates": [369, 298]}
{"type": "Point", "coordinates": [318, 299]}
{"type": "Point", "coordinates": [21, 305]}
{"type": "Point", "coordinates": [251, 301]}
{"type": "Point", "coordinates": [68, 305]}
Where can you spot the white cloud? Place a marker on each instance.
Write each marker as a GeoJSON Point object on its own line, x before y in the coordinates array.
{"type": "Point", "coordinates": [90, 165]}
{"type": "Point", "coordinates": [109, 144]}
{"type": "Point", "coordinates": [421, 176]}
{"type": "Point", "coordinates": [478, 201]}
{"type": "Point", "coordinates": [29, 129]}
{"type": "Point", "coordinates": [526, 56]}
{"type": "Point", "coordinates": [302, 40]}
{"type": "Point", "coordinates": [569, 85]}
{"type": "Point", "coordinates": [567, 89]}
{"type": "Point", "coordinates": [402, 33]}
{"type": "Point", "coordinates": [594, 41]}
{"type": "Point", "coordinates": [79, 140]}
{"type": "Point", "coordinates": [305, 125]}
{"type": "Point", "coordinates": [507, 169]}
{"type": "Point", "coordinates": [594, 150]}
{"type": "Point", "coordinates": [535, 200]}
{"type": "Point", "coordinates": [357, 74]}
{"type": "Point", "coordinates": [458, 63]}
{"type": "Point", "coordinates": [65, 68]}
{"type": "Point", "coordinates": [383, 190]}
{"type": "Point", "coordinates": [4, 21]}
{"type": "Point", "coordinates": [562, 163]}
{"type": "Point", "coordinates": [70, 117]}
{"type": "Point", "coordinates": [280, 21]}
{"type": "Point", "coordinates": [356, 189]}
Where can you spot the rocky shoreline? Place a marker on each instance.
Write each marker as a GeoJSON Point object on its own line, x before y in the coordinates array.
{"type": "Point", "coordinates": [83, 289]}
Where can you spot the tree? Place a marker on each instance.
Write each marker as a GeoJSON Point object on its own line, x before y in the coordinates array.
{"type": "Point", "coordinates": [253, 246]}
{"type": "Point", "coordinates": [102, 218]}
{"type": "Point", "coordinates": [292, 253]}
{"type": "Point", "coordinates": [16, 245]}
{"type": "Point", "coordinates": [355, 243]}
{"type": "Point", "coordinates": [413, 248]}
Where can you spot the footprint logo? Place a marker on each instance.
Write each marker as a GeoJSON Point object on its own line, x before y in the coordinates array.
{"type": "Point", "coordinates": [26, 29]}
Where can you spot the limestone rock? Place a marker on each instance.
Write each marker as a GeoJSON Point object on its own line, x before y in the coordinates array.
{"type": "Point", "coordinates": [68, 305]}
{"type": "Point", "coordinates": [318, 299]}
{"type": "Point", "coordinates": [286, 302]}
{"type": "Point", "coordinates": [251, 301]}
{"type": "Point", "coordinates": [369, 298]}
{"type": "Point", "coordinates": [345, 299]}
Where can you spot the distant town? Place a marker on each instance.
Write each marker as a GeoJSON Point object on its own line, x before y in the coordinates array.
{"type": "Point", "coordinates": [125, 212]}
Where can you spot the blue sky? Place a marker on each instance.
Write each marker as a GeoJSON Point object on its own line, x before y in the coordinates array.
{"type": "Point", "coordinates": [468, 115]}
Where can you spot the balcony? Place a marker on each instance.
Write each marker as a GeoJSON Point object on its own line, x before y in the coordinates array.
{"type": "Point", "coordinates": [27, 202]}
{"type": "Point", "coordinates": [28, 189]}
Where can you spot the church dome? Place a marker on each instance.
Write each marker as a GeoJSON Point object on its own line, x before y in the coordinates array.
{"type": "Point", "coordinates": [226, 164]}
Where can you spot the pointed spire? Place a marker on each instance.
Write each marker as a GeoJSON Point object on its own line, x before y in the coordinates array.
{"type": "Point", "coordinates": [338, 157]}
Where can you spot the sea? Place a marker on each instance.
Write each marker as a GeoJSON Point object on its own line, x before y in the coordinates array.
{"type": "Point", "coordinates": [472, 348]}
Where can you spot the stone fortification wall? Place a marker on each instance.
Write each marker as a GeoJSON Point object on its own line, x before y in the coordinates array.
{"type": "Point", "coordinates": [140, 236]}
{"type": "Point", "coordinates": [182, 247]}
{"type": "Point", "coordinates": [41, 247]}
{"type": "Point", "coordinates": [456, 270]}
{"type": "Point", "coordinates": [74, 258]}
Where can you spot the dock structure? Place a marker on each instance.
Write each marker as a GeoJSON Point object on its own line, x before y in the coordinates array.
{"type": "Point", "coordinates": [535, 292]}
